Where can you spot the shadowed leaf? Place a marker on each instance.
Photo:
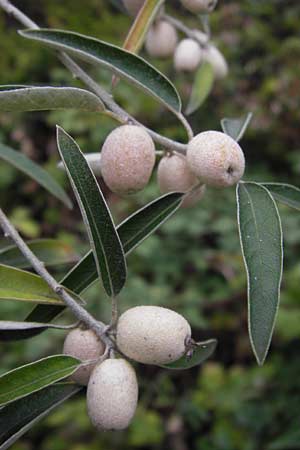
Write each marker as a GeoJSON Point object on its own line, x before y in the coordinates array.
{"type": "Point", "coordinates": [18, 417]}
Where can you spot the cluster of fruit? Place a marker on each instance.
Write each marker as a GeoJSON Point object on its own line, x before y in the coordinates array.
{"type": "Point", "coordinates": [146, 334]}
{"type": "Point", "coordinates": [189, 53]}
{"type": "Point", "coordinates": [128, 157]}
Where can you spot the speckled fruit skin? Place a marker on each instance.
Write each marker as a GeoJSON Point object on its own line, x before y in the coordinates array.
{"type": "Point", "coordinates": [187, 56]}
{"type": "Point", "coordinates": [212, 55]}
{"type": "Point", "coordinates": [199, 6]}
{"type": "Point", "coordinates": [174, 174]}
{"type": "Point", "coordinates": [152, 334]}
{"type": "Point", "coordinates": [133, 6]}
{"type": "Point", "coordinates": [127, 159]}
{"type": "Point", "coordinates": [112, 395]}
{"type": "Point", "coordinates": [161, 40]}
{"type": "Point", "coordinates": [84, 345]}
{"type": "Point", "coordinates": [216, 159]}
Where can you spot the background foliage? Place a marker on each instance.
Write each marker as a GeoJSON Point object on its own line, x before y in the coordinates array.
{"type": "Point", "coordinates": [193, 264]}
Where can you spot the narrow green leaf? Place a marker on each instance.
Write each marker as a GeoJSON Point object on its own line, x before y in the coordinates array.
{"type": "Point", "coordinates": [40, 98]}
{"type": "Point", "coordinates": [35, 376]}
{"type": "Point", "coordinates": [14, 331]}
{"type": "Point", "coordinates": [236, 127]}
{"type": "Point", "coordinates": [104, 239]}
{"type": "Point", "coordinates": [204, 80]}
{"type": "Point", "coordinates": [17, 284]}
{"type": "Point", "coordinates": [148, 218]}
{"type": "Point", "coordinates": [124, 64]}
{"type": "Point", "coordinates": [34, 171]}
{"type": "Point", "coordinates": [18, 417]}
{"type": "Point", "coordinates": [284, 193]}
{"type": "Point", "coordinates": [52, 252]}
{"type": "Point", "coordinates": [261, 241]}
{"type": "Point", "coordinates": [203, 351]}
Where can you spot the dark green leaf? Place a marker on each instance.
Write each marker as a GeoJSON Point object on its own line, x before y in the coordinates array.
{"type": "Point", "coordinates": [203, 83]}
{"type": "Point", "coordinates": [284, 193]}
{"type": "Point", "coordinates": [84, 273]}
{"type": "Point", "coordinates": [35, 376]}
{"type": "Point", "coordinates": [39, 98]}
{"type": "Point", "coordinates": [51, 251]}
{"type": "Point", "coordinates": [104, 239]}
{"type": "Point", "coordinates": [18, 417]}
{"type": "Point", "coordinates": [236, 127]}
{"type": "Point", "coordinates": [13, 331]}
{"type": "Point", "coordinates": [124, 64]}
{"type": "Point", "coordinates": [21, 162]}
{"type": "Point", "coordinates": [203, 351]}
{"type": "Point", "coordinates": [261, 242]}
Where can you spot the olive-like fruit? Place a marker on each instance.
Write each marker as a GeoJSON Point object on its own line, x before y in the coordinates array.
{"type": "Point", "coordinates": [152, 334]}
{"type": "Point", "coordinates": [127, 159]}
{"type": "Point", "coordinates": [161, 40]}
{"type": "Point", "coordinates": [187, 56]}
{"type": "Point", "coordinates": [215, 58]}
{"type": "Point", "coordinates": [174, 174]}
{"type": "Point", "coordinates": [216, 159]}
{"type": "Point", "coordinates": [83, 345]}
{"type": "Point", "coordinates": [112, 395]}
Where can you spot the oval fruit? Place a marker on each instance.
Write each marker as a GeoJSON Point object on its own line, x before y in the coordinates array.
{"type": "Point", "coordinates": [127, 159]}
{"type": "Point", "coordinates": [112, 395]}
{"type": "Point", "coordinates": [84, 345]}
{"type": "Point", "coordinates": [216, 159]}
{"type": "Point", "coordinates": [152, 334]}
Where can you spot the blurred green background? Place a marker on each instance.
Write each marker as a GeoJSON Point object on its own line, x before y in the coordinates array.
{"type": "Point", "coordinates": [193, 263]}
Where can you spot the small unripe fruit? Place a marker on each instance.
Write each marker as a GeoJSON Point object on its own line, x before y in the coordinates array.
{"type": "Point", "coordinates": [200, 6]}
{"type": "Point", "coordinates": [127, 159]}
{"type": "Point", "coordinates": [216, 159]}
{"type": "Point", "coordinates": [112, 395]}
{"type": "Point", "coordinates": [152, 334]}
{"type": "Point", "coordinates": [161, 40]}
{"type": "Point", "coordinates": [174, 174]}
{"type": "Point", "coordinates": [214, 57]}
{"type": "Point", "coordinates": [187, 56]}
{"type": "Point", "coordinates": [84, 345]}
{"type": "Point", "coordinates": [133, 6]}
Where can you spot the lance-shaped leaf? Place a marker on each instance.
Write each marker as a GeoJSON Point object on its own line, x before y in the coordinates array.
{"type": "Point", "coordinates": [20, 285]}
{"type": "Point", "coordinates": [104, 239]}
{"type": "Point", "coordinates": [285, 193]}
{"type": "Point", "coordinates": [52, 252]}
{"type": "Point", "coordinates": [18, 417]}
{"type": "Point", "coordinates": [124, 64]}
{"type": "Point", "coordinates": [16, 284]}
{"type": "Point", "coordinates": [202, 351]}
{"type": "Point", "coordinates": [35, 376]}
{"type": "Point", "coordinates": [236, 128]}
{"type": "Point", "coordinates": [40, 98]}
{"type": "Point", "coordinates": [141, 24]}
{"type": "Point", "coordinates": [261, 241]}
{"type": "Point", "coordinates": [13, 331]}
{"type": "Point", "coordinates": [203, 83]}
{"type": "Point", "coordinates": [34, 171]}
{"type": "Point", "coordinates": [148, 219]}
